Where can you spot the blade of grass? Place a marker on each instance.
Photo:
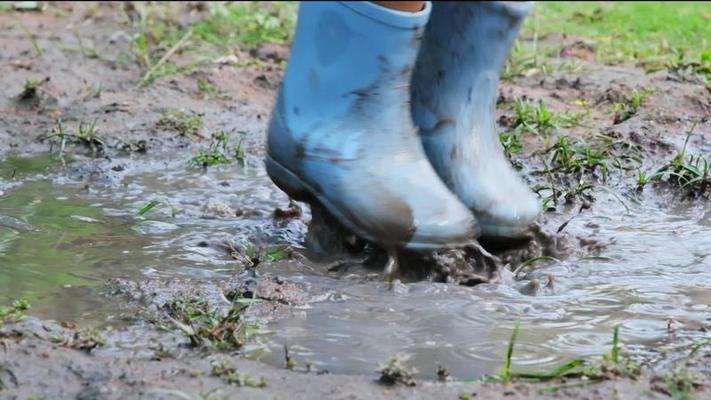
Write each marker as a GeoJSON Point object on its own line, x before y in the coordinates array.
{"type": "Point", "coordinates": [567, 369]}
{"type": "Point", "coordinates": [532, 261]}
{"type": "Point", "coordinates": [506, 374]}
{"type": "Point", "coordinates": [615, 353]}
{"type": "Point", "coordinates": [148, 207]}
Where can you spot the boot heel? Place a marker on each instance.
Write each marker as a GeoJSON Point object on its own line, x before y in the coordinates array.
{"type": "Point", "coordinates": [287, 181]}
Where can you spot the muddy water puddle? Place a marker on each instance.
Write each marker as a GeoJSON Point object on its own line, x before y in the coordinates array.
{"type": "Point", "coordinates": [654, 266]}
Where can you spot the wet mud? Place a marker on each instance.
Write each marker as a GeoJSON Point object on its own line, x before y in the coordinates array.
{"type": "Point", "coordinates": [115, 292]}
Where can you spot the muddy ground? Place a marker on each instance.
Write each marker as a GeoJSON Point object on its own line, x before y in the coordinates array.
{"type": "Point", "coordinates": [44, 359]}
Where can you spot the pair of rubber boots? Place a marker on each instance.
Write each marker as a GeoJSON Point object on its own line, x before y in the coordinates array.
{"type": "Point", "coordinates": [387, 120]}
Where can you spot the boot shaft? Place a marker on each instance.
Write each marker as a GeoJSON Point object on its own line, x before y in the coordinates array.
{"type": "Point", "coordinates": [474, 35]}
{"type": "Point", "coordinates": [463, 51]}
{"type": "Point", "coordinates": [344, 51]}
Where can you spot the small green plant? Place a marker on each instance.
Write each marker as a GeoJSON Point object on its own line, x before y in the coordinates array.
{"type": "Point", "coordinates": [534, 118]}
{"type": "Point", "coordinates": [686, 68]}
{"type": "Point", "coordinates": [83, 339]}
{"type": "Point", "coordinates": [208, 90]}
{"type": "Point", "coordinates": [180, 122]}
{"type": "Point", "coordinates": [630, 105]}
{"type": "Point", "coordinates": [228, 372]}
{"type": "Point", "coordinates": [217, 153]}
{"type": "Point", "coordinates": [276, 253]}
{"type": "Point", "coordinates": [86, 135]}
{"type": "Point", "coordinates": [205, 87]}
{"type": "Point", "coordinates": [208, 327]}
{"type": "Point", "coordinates": [642, 180]}
{"type": "Point", "coordinates": [571, 167]}
{"type": "Point", "coordinates": [611, 365]}
{"type": "Point", "coordinates": [681, 383]}
{"type": "Point", "coordinates": [691, 172]}
{"type": "Point", "coordinates": [31, 88]}
{"type": "Point", "coordinates": [511, 141]}
{"type": "Point", "coordinates": [537, 118]}
{"type": "Point", "coordinates": [15, 312]}
{"type": "Point", "coordinates": [395, 371]}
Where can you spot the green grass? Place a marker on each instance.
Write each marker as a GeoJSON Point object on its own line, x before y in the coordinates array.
{"type": "Point", "coordinates": [31, 88]}
{"type": "Point", "coordinates": [83, 339]}
{"type": "Point", "coordinates": [209, 90]}
{"type": "Point", "coordinates": [682, 381]}
{"type": "Point", "coordinates": [538, 119]}
{"type": "Point", "coordinates": [148, 207]}
{"type": "Point", "coordinates": [506, 374]}
{"type": "Point", "coordinates": [15, 312]}
{"type": "Point", "coordinates": [395, 371]}
{"type": "Point", "coordinates": [247, 23]}
{"type": "Point", "coordinates": [653, 34]}
{"type": "Point", "coordinates": [85, 134]}
{"type": "Point", "coordinates": [160, 40]}
{"type": "Point", "coordinates": [180, 122]}
{"type": "Point", "coordinates": [228, 372]}
{"type": "Point", "coordinates": [207, 327]}
{"type": "Point", "coordinates": [276, 254]}
{"type": "Point", "coordinates": [687, 171]}
{"type": "Point", "coordinates": [571, 166]}
{"type": "Point", "coordinates": [612, 365]}
{"type": "Point", "coordinates": [630, 104]}
{"type": "Point", "coordinates": [219, 151]}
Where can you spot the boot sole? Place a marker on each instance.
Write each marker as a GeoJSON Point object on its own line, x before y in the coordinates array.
{"type": "Point", "coordinates": [299, 190]}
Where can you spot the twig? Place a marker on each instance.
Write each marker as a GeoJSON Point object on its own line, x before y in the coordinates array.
{"type": "Point", "coordinates": [146, 78]}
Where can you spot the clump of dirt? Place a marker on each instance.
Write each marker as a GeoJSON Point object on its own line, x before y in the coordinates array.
{"type": "Point", "coordinates": [469, 266]}
{"type": "Point", "coordinates": [31, 94]}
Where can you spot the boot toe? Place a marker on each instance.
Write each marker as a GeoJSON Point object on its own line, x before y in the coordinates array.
{"type": "Point", "coordinates": [509, 219]}
{"type": "Point", "coordinates": [451, 225]}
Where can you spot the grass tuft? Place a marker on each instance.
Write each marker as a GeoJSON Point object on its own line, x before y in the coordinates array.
{"type": "Point", "coordinates": [15, 312]}
{"type": "Point", "coordinates": [686, 171]}
{"type": "Point", "coordinates": [538, 119]}
{"type": "Point", "coordinates": [571, 167]}
{"type": "Point", "coordinates": [395, 371]}
{"type": "Point", "coordinates": [208, 327]}
{"type": "Point", "coordinates": [180, 122]}
{"type": "Point", "coordinates": [219, 152]}
{"type": "Point", "coordinates": [630, 105]}
{"type": "Point", "coordinates": [611, 366]}
{"type": "Point", "coordinates": [228, 373]}
{"type": "Point", "coordinates": [83, 339]}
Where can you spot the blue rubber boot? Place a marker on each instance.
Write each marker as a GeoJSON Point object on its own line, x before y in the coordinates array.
{"type": "Point", "coordinates": [454, 90]}
{"type": "Point", "coordinates": [341, 133]}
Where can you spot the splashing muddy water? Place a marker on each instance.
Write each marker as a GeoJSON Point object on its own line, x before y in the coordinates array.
{"type": "Point", "coordinates": [650, 269]}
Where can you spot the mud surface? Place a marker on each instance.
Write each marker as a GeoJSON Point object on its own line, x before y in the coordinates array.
{"type": "Point", "coordinates": [73, 244]}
